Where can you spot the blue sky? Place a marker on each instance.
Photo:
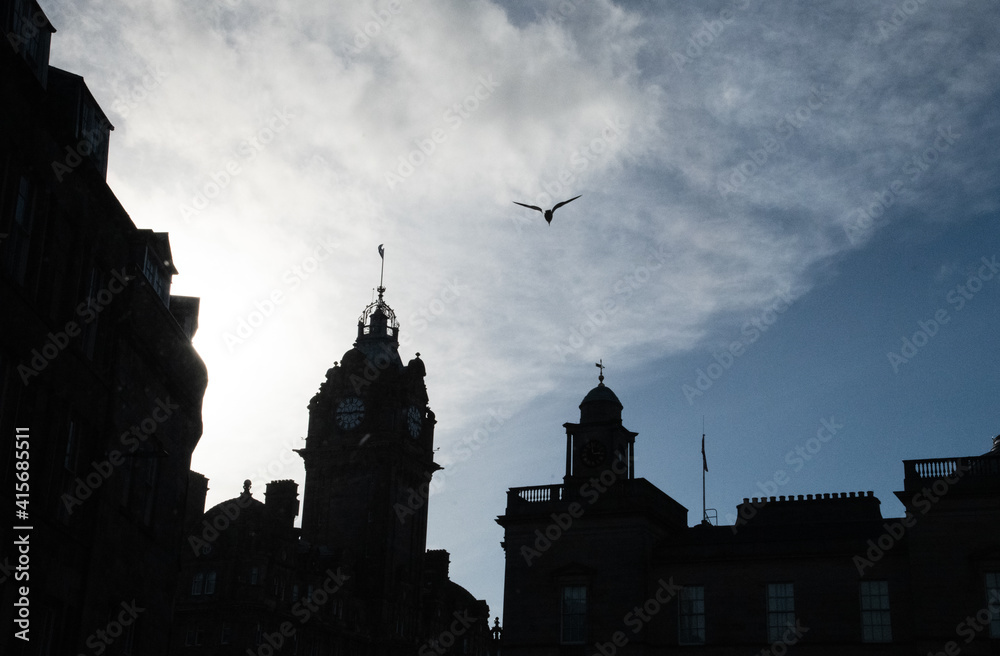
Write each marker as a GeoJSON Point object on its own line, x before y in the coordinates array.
{"type": "Point", "coordinates": [827, 173]}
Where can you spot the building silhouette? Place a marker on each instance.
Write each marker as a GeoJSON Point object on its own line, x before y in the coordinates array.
{"type": "Point", "coordinates": [97, 375]}
{"type": "Point", "coordinates": [101, 391]}
{"type": "Point", "coordinates": [606, 562]}
{"type": "Point", "coordinates": [356, 579]}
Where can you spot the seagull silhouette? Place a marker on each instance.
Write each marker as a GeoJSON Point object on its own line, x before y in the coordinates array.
{"type": "Point", "coordinates": [548, 213]}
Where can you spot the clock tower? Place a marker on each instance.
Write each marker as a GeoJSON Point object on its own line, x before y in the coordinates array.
{"type": "Point", "coordinates": [368, 455]}
{"type": "Point", "coordinates": [599, 443]}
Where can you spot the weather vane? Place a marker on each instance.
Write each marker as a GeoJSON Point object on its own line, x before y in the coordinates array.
{"type": "Point", "coordinates": [600, 365]}
{"type": "Point", "coordinates": [381, 275]}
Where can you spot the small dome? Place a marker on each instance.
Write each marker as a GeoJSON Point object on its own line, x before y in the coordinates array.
{"type": "Point", "coordinates": [601, 393]}
{"type": "Point", "coordinates": [600, 404]}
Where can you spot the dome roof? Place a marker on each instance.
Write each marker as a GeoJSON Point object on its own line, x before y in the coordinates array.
{"type": "Point", "coordinates": [245, 504]}
{"type": "Point", "coordinates": [601, 393]}
{"type": "Point", "coordinates": [600, 404]}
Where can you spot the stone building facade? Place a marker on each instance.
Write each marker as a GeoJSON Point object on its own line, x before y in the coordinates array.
{"type": "Point", "coordinates": [356, 579]}
{"type": "Point", "coordinates": [97, 375]}
{"type": "Point", "coordinates": [607, 564]}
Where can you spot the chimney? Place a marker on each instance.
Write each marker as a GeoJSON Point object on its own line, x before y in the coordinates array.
{"type": "Point", "coordinates": [436, 564]}
{"type": "Point", "coordinates": [197, 490]}
{"type": "Point", "coordinates": [281, 499]}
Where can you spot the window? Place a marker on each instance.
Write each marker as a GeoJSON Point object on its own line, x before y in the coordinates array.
{"type": "Point", "coordinates": [574, 614]}
{"type": "Point", "coordinates": [210, 583]}
{"type": "Point", "coordinates": [691, 627]}
{"type": "Point", "coordinates": [143, 479]}
{"type": "Point", "coordinates": [19, 240]}
{"type": "Point", "coordinates": [254, 576]}
{"type": "Point", "coordinates": [993, 602]}
{"type": "Point", "coordinates": [227, 634]}
{"type": "Point", "coordinates": [91, 317]}
{"type": "Point", "coordinates": [151, 268]}
{"type": "Point", "coordinates": [780, 610]}
{"type": "Point", "coordinates": [193, 637]}
{"type": "Point", "coordinates": [128, 639]}
{"type": "Point", "coordinates": [875, 622]}
{"type": "Point", "coordinates": [69, 456]}
{"type": "Point", "coordinates": [198, 584]}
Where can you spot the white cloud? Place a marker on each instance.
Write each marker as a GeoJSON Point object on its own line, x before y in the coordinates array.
{"type": "Point", "coordinates": [474, 105]}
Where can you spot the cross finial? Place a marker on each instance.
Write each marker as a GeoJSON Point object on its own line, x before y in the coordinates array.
{"type": "Point", "coordinates": [600, 365]}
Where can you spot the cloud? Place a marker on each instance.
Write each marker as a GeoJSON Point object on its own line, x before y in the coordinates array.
{"type": "Point", "coordinates": [725, 152]}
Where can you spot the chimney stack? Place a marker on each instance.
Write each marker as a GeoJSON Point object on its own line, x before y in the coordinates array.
{"type": "Point", "coordinates": [281, 499]}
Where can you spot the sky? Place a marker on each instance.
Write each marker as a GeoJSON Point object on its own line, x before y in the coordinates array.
{"type": "Point", "coordinates": [787, 229]}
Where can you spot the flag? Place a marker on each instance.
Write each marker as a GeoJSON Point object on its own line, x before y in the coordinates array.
{"type": "Point", "coordinates": [704, 460]}
{"type": "Point", "coordinates": [381, 251]}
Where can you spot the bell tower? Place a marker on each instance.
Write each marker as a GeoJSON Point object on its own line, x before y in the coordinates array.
{"type": "Point", "coordinates": [599, 442]}
{"type": "Point", "coordinates": [368, 455]}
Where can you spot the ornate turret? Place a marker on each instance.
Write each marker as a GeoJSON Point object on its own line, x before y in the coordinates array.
{"type": "Point", "coordinates": [369, 458]}
{"type": "Point", "coordinates": [599, 441]}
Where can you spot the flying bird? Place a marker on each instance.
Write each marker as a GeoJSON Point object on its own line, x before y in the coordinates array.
{"type": "Point", "coordinates": [548, 213]}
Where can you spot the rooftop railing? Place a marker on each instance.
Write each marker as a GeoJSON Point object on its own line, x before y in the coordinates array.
{"type": "Point", "coordinates": [981, 467]}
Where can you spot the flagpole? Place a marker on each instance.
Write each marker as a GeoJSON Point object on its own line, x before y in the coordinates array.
{"type": "Point", "coordinates": [704, 469]}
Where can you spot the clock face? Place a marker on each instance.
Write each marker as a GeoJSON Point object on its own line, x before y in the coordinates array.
{"type": "Point", "coordinates": [350, 412]}
{"type": "Point", "coordinates": [414, 420]}
{"type": "Point", "coordinates": [593, 453]}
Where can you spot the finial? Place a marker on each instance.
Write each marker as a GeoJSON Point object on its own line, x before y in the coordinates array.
{"type": "Point", "coordinates": [246, 486]}
{"type": "Point", "coordinates": [600, 365]}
